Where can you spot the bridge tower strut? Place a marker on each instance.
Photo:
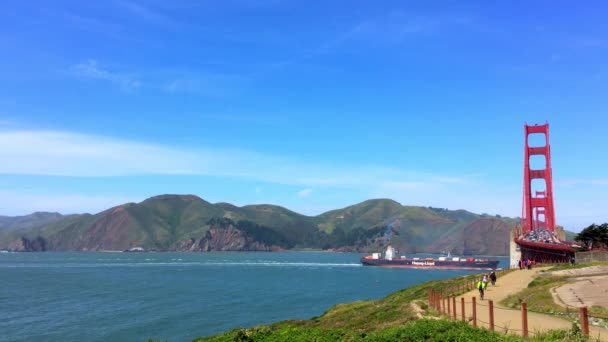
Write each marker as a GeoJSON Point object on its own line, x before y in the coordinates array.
{"type": "Point", "coordinates": [537, 208]}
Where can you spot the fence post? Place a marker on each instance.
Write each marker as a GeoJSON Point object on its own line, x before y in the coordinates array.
{"type": "Point", "coordinates": [491, 306]}
{"type": "Point", "coordinates": [449, 307]}
{"type": "Point", "coordinates": [584, 320]}
{"type": "Point", "coordinates": [462, 307]}
{"type": "Point", "coordinates": [454, 307]}
{"type": "Point", "coordinates": [474, 312]}
{"type": "Point", "coordinates": [524, 319]}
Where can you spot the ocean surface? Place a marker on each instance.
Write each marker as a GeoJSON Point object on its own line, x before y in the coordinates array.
{"type": "Point", "coordinates": [181, 296]}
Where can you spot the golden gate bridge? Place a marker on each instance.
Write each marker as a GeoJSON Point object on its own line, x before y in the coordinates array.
{"type": "Point", "coordinates": [538, 237]}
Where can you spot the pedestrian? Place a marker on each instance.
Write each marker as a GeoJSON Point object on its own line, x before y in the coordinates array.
{"type": "Point", "coordinates": [519, 263]}
{"type": "Point", "coordinates": [525, 263]}
{"type": "Point", "coordinates": [493, 278]}
{"type": "Point", "coordinates": [481, 286]}
{"type": "Point", "coordinates": [529, 264]}
{"type": "Point", "coordinates": [485, 280]}
{"type": "Point", "coordinates": [572, 260]}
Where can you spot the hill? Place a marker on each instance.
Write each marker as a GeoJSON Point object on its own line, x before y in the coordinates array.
{"type": "Point", "coordinates": [28, 221]}
{"type": "Point", "coordinates": [189, 223]}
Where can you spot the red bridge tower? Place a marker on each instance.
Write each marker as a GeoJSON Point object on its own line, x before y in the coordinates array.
{"type": "Point", "coordinates": [537, 209]}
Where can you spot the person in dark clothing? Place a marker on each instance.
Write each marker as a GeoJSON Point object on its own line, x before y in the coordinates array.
{"type": "Point", "coordinates": [572, 260]}
{"type": "Point", "coordinates": [493, 278]}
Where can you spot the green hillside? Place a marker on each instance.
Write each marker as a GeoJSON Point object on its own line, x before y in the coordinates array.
{"type": "Point", "coordinates": [187, 222]}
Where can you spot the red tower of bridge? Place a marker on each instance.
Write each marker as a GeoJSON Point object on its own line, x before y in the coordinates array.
{"type": "Point", "coordinates": [537, 209]}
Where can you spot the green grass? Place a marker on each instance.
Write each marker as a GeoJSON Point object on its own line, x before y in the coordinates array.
{"type": "Point", "coordinates": [419, 330]}
{"type": "Point", "coordinates": [538, 295]}
{"type": "Point", "coordinates": [539, 298]}
{"type": "Point", "coordinates": [566, 266]}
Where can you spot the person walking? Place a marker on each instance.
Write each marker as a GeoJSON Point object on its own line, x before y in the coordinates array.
{"type": "Point", "coordinates": [519, 263]}
{"type": "Point", "coordinates": [481, 286]}
{"type": "Point", "coordinates": [493, 278]}
{"type": "Point", "coordinates": [485, 280]}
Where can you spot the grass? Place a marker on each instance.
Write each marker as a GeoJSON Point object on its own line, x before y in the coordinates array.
{"type": "Point", "coordinates": [538, 295]}
{"type": "Point", "coordinates": [419, 330]}
{"type": "Point", "coordinates": [539, 298]}
{"type": "Point", "coordinates": [566, 266]}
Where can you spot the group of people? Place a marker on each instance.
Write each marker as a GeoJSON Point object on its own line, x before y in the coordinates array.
{"type": "Point", "coordinates": [483, 283]}
{"type": "Point", "coordinates": [524, 263]}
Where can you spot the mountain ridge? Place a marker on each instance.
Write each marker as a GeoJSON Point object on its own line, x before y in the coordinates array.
{"type": "Point", "coordinates": [187, 222]}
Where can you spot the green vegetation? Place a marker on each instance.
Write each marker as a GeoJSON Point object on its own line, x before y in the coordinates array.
{"type": "Point", "coordinates": [539, 298]}
{"type": "Point", "coordinates": [538, 295]}
{"type": "Point", "coordinates": [567, 266]}
{"type": "Point", "coordinates": [594, 236]}
{"type": "Point", "coordinates": [419, 330]}
{"type": "Point", "coordinates": [175, 222]}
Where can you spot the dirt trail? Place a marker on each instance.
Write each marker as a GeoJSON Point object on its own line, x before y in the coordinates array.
{"type": "Point", "coordinates": [506, 319]}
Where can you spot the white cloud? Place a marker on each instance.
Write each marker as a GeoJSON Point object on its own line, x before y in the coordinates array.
{"type": "Point", "coordinates": [58, 153]}
{"type": "Point", "coordinates": [92, 69]}
{"type": "Point", "coordinates": [304, 193]}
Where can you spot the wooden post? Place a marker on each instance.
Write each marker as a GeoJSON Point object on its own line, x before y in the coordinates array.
{"type": "Point", "coordinates": [474, 312]}
{"type": "Point", "coordinates": [449, 307]}
{"type": "Point", "coordinates": [462, 308]}
{"type": "Point", "coordinates": [454, 307]}
{"type": "Point", "coordinates": [430, 297]}
{"type": "Point", "coordinates": [442, 304]}
{"type": "Point", "coordinates": [524, 319]}
{"type": "Point", "coordinates": [491, 306]}
{"type": "Point", "coordinates": [584, 320]}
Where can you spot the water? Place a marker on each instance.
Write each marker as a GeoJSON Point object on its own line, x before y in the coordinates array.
{"type": "Point", "coordinates": [180, 296]}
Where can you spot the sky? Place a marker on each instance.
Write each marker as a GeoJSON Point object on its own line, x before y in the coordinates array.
{"type": "Point", "coordinates": [310, 105]}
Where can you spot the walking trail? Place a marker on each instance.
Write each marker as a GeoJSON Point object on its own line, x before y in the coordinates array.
{"type": "Point", "coordinates": [510, 320]}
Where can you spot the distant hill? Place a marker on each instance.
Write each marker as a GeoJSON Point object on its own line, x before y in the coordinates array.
{"type": "Point", "coordinates": [28, 221]}
{"type": "Point", "coordinates": [189, 223]}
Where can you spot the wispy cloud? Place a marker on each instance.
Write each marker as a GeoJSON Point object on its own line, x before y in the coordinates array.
{"type": "Point", "coordinates": [71, 154]}
{"type": "Point", "coordinates": [93, 70]}
{"type": "Point", "coordinates": [304, 193]}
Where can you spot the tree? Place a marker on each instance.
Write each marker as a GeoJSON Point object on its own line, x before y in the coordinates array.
{"type": "Point", "coordinates": [594, 236]}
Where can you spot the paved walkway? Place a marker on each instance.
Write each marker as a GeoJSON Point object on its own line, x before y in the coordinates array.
{"type": "Point", "coordinates": [590, 288]}
{"type": "Point", "coordinates": [510, 320]}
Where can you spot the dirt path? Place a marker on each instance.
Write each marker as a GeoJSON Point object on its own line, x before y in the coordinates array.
{"type": "Point", "coordinates": [509, 320]}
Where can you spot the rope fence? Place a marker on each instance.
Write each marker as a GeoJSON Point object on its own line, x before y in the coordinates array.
{"type": "Point", "coordinates": [447, 305]}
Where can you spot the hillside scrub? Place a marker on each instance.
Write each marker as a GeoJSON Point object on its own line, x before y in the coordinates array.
{"type": "Point", "coordinates": [419, 330]}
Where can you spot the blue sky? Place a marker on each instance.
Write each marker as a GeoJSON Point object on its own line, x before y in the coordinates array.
{"type": "Point", "coordinates": [309, 105]}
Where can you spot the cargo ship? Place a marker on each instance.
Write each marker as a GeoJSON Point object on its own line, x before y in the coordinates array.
{"type": "Point", "coordinates": [388, 259]}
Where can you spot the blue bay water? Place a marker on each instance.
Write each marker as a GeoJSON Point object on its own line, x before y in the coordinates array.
{"type": "Point", "coordinates": [181, 296]}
